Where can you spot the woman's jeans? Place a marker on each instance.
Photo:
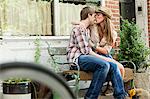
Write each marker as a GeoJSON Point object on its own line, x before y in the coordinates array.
{"type": "Point", "coordinates": [100, 69]}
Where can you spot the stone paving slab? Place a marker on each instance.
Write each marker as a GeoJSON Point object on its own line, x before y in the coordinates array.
{"type": "Point", "coordinates": [103, 97]}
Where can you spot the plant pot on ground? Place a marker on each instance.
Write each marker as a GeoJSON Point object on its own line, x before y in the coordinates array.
{"type": "Point", "coordinates": [17, 89]}
{"type": "Point", "coordinates": [133, 48]}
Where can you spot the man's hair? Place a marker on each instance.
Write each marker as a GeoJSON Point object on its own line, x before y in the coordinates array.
{"type": "Point", "coordinates": [85, 11]}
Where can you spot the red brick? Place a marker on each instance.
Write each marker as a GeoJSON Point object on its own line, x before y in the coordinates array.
{"type": "Point", "coordinates": [148, 10]}
{"type": "Point", "coordinates": [115, 7]}
{"type": "Point", "coordinates": [116, 23]}
{"type": "Point", "coordinates": [116, 15]}
{"type": "Point", "coordinates": [111, 2]}
{"type": "Point", "coordinates": [109, 6]}
{"type": "Point", "coordinates": [114, 18]}
{"type": "Point", "coordinates": [115, 11]}
{"type": "Point", "coordinates": [148, 2]}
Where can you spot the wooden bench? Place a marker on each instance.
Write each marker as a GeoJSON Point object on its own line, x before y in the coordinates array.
{"type": "Point", "coordinates": [58, 55]}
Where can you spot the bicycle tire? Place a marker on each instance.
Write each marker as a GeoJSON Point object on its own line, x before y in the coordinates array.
{"type": "Point", "coordinates": [39, 73]}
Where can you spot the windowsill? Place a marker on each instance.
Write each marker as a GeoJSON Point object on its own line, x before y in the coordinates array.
{"type": "Point", "coordinates": [34, 37]}
{"type": "Point", "coordinates": [27, 43]}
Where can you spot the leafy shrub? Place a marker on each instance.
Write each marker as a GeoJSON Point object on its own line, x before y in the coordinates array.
{"type": "Point", "coordinates": [132, 45]}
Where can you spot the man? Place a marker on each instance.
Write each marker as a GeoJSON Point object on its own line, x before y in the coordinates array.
{"type": "Point", "coordinates": [79, 51]}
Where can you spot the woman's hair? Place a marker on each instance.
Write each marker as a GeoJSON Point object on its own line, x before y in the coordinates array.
{"type": "Point", "coordinates": [106, 30]}
{"type": "Point", "coordinates": [85, 11]}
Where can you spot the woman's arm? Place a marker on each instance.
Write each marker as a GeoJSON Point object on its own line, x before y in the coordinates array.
{"type": "Point", "coordinates": [107, 48]}
{"type": "Point", "coordinates": [97, 48]}
{"type": "Point", "coordinates": [100, 56]}
{"type": "Point", "coordinates": [101, 50]}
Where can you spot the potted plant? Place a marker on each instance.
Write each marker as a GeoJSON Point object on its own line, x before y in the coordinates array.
{"type": "Point", "coordinates": [21, 88]}
{"type": "Point", "coordinates": [132, 45]}
{"type": "Point", "coordinates": [17, 88]}
{"type": "Point", "coordinates": [133, 48]}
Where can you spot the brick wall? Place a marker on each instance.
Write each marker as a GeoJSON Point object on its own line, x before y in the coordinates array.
{"type": "Point", "coordinates": [114, 6]}
{"type": "Point", "coordinates": [148, 5]}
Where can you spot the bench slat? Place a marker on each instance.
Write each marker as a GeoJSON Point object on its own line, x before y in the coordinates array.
{"type": "Point", "coordinates": [129, 75]}
{"type": "Point", "coordinates": [57, 50]}
{"type": "Point", "coordinates": [83, 75]}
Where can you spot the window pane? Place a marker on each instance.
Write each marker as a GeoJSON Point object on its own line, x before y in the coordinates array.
{"type": "Point", "coordinates": [25, 17]}
{"type": "Point", "coordinates": [68, 13]}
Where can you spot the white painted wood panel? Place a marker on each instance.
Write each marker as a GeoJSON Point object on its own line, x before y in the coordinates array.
{"type": "Point", "coordinates": [142, 18]}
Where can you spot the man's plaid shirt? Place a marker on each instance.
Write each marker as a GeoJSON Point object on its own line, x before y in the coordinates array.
{"type": "Point", "coordinates": [78, 43]}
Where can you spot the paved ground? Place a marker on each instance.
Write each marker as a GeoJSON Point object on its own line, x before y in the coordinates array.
{"type": "Point", "coordinates": [103, 97]}
{"type": "Point", "coordinates": [82, 93]}
{"type": "Point", "coordinates": [106, 97]}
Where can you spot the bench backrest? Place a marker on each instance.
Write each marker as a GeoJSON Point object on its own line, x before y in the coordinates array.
{"type": "Point", "coordinates": [58, 54]}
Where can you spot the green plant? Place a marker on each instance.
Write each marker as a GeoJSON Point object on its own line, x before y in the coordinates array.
{"type": "Point", "coordinates": [51, 60]}
{"type": "Point", "coordinates": [37, 53]}
{"type": "Point", "coordinates": [132, 45]}
{"type": "Point", "coordinates": [16, 80]}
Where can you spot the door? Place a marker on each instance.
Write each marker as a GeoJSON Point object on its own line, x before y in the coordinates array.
{"type": "Point", "coordinates": [127, 9]}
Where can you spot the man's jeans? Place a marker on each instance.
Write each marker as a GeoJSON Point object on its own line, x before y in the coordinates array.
{"type": "Point", "coordinates": [101, 69]}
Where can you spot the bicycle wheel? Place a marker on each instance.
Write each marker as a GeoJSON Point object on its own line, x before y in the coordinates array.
{"type": "Point", "coordinates": [36, 72]}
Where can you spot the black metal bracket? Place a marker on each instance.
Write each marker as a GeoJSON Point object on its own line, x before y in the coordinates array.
{"type": "Point", "coordinates": [98, 2]}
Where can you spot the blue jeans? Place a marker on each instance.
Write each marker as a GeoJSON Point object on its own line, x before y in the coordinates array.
{"type": "Point", "coordinates": [101, 69]}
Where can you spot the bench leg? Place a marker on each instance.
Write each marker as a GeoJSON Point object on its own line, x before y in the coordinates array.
{"type": "Point", "coordinates": [77, 79]}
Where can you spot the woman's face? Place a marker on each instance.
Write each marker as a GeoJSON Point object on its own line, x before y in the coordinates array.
{"type": "Point", "coordinates": [99, 18]}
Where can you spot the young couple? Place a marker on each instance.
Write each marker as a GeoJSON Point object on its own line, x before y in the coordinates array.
{"type": "Point", "coordinates": [90, 50]}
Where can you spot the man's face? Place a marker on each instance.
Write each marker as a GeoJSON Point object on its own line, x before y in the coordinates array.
{"type": "Point", "coordinates": [92, 18]}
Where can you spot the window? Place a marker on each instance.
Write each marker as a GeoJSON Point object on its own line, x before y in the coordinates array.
{"type": "Point", "coordinates": [25, 17]}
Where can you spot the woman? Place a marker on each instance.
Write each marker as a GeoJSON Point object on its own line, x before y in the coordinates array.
{"type": "Point", "coordinates": [104, 36]}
